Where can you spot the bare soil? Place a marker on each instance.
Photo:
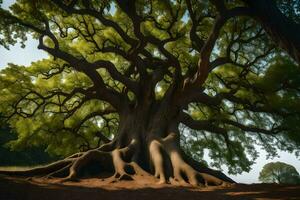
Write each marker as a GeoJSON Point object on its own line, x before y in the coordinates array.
{"type": "Point", "coordinates": [142, 188]}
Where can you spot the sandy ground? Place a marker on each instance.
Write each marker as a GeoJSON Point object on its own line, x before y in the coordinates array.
{"type": "Point", "coordinates": [12, 188]}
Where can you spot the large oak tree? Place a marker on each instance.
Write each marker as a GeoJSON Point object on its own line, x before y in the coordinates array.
{"type": "Point", "coordinates": [129, 83]}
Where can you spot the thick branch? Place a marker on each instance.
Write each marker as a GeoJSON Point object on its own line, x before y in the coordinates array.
{"type": "Point", "coordinates": [282, 30]}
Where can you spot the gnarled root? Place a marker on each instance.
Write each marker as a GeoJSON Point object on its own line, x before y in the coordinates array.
{"type": "Point", "coordinates": [183, 173]}
{"type": "Point", "coordinates": [169, 165]}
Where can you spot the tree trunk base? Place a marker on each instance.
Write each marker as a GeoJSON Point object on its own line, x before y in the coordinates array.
{"type": "Point", "coordinates": [169, 166]}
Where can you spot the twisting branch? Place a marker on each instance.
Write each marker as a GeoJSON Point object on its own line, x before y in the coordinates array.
{"type": "Point", "coordinates": [206, 125]}
{"type": "Point", "coordinates": [211, 125]}
{"type": "Point", "coordinates": [79, 64]}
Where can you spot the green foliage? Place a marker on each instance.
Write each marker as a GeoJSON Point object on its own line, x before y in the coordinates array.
{"type": "Point", "coordinates": [235, 157]}
{"type": "Point", "coordinates": [279, 172]}
{"type": "Point", "coordinates": [50, 126]}
{"type": "Point", "coordinates": [30, 156]}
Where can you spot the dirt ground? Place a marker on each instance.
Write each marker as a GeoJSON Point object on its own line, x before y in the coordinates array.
{"type": "Point", "coordinates": [12, 188]}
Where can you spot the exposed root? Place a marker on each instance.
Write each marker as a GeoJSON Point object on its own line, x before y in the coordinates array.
{"type": "Point", "coordinates": [202, 169]}
{"type": "Point", "coordinates": [59, 172]}
{"type": "Point", "coordinates": [169, 165]}
{"type": "Point", "coordinates": [123, 171]}
{"type": "Point", "coordinates": [43, 170]}
{"type": "Point", "coordinates": [183, 173]}
{"type": "Point", "coordinates": [103, 158]}
{"type": "Point", "coordinates": [157, 159]}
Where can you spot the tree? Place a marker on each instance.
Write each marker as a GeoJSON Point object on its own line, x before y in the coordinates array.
{"type": "Point", "coordinates": [129, 83]}
{"type": "Point", "coordinates": [279, 172]}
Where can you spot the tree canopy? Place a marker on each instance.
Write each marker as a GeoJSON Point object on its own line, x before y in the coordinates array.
{"type": "Point", "coordinates": [279, 172]}
{"type": "Point", "coordinates": [210, 67]}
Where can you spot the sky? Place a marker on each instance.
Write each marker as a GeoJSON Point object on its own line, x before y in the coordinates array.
{"type": "Point", "coordinates": [30, 53]}
{"type": "Point", "coordinates": [16, 54]}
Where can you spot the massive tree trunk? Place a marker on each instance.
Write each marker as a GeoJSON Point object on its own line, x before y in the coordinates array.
{"type": "Point", "coordinates": [282, 30]}
{"type": "Point", "coordinates": [147, 143]}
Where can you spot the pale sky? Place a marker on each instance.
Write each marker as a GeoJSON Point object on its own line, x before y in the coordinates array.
{"type": "Point", "coordinates": [20, 56]}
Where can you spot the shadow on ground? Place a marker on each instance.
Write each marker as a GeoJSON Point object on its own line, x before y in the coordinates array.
{"type": "Point", "coordinates": [18, 189]}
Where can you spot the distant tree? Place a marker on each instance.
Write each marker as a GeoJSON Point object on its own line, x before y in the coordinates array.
{"type": "Point", "coordinates": [279, 172]}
